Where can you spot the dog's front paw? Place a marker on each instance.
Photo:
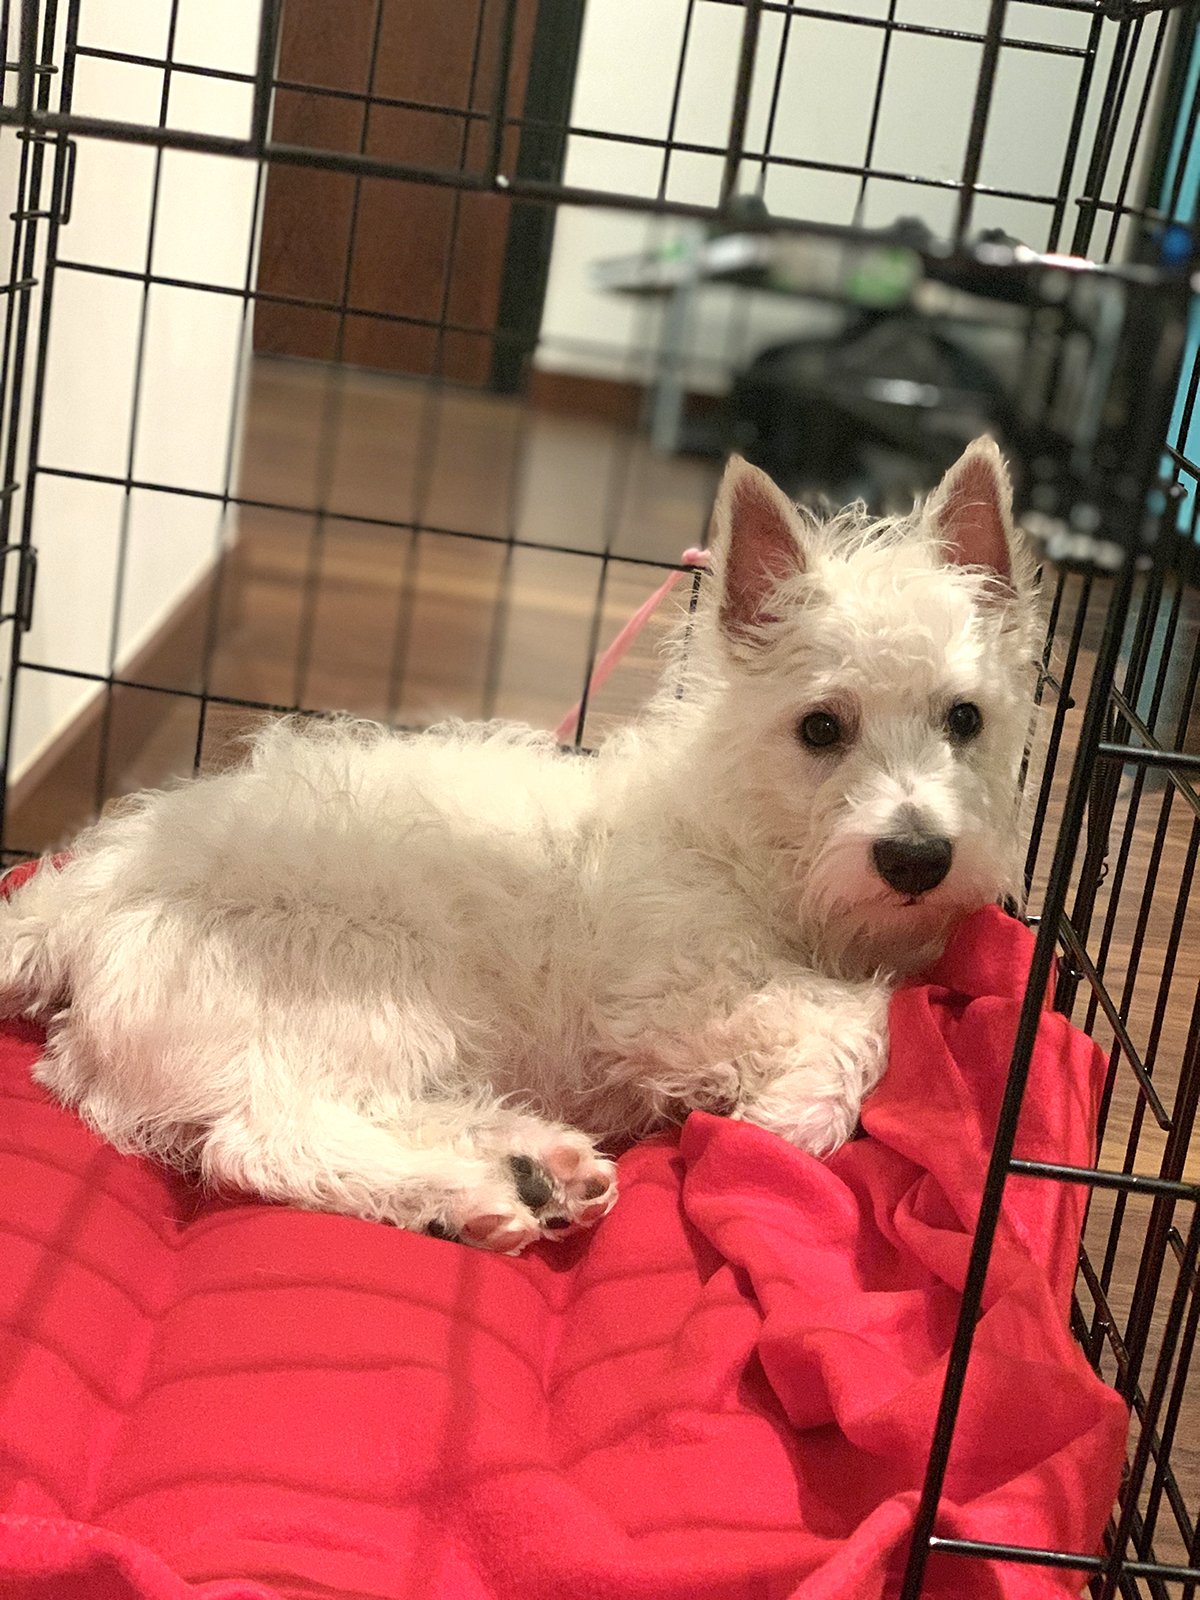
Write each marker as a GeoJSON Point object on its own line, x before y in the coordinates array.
{"type": "Point", "coordinates": [673, 1092]}
{"type": "Point", "coordinates": [817, 1122]}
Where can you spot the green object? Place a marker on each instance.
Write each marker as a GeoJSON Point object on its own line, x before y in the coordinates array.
{"type": "Point", "coordinates": [881, 277]}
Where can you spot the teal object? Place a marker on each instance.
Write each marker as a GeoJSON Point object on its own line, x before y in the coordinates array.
{"type": "Point", "coordinates": [1183, 215]}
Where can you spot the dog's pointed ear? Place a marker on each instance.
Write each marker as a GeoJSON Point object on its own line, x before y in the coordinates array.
{"type": "Point", "coordinates": [756, 538]}
{"type": "Point", "coordinates": [972, 511]}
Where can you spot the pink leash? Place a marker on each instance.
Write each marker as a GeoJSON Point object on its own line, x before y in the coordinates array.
{"type": "Point", "coordinates": [602, 671]}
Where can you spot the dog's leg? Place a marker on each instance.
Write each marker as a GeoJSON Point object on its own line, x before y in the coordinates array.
{"type": "Point", "coordinates": [485, 1175]}
{"type": "Point", "coordinates": [809, 1058]}
{"type": "Point", "coordinates": [797, 1057]}
{"type": "Point", "coordinates": [33, 942]}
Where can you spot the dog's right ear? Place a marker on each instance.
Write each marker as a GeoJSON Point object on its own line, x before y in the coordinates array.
{"type": "Point", "coordinates": [972, 510]}
{"type": "Point", "coordinates": [756, 540]}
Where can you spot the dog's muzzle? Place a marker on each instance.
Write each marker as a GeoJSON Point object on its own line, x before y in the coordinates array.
{"type": "Point", "coordinates": [912, 866]}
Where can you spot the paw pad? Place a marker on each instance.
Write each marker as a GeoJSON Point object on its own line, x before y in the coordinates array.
{"type": "Point", "coordinates": [534, 1187]}
{"type": "Point", "coordinates": [564, 1187]}
{"type": "Point", "coordinates": [542, 1196]}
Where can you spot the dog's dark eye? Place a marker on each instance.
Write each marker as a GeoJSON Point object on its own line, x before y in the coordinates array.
{"type": "Point", "coordinates": [963, 722]}
{"type": "Point", "coordinates": [820, 729]}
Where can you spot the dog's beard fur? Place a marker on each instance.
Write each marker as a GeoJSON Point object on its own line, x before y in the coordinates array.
{"type": "Point", "coordinates": [413, 979]}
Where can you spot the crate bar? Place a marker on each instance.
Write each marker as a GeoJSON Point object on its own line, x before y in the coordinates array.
{"type": "Point", "coordinates": [331, 404]}
{"type": "Point", "coordinates": [1138, 756]}
{"type": "Point", "coordinates": [1060, 1558]}
{"type": "Point", "coordinates": [179, 694]}
{"type": "Point", "coordinates": [1150, 884]}
{"type": "Point", "coordinates": [1135, 138]}
{"type": "Point", "coordinates": [327, 91]}
{"type": "Point", "coordinates": [741, 100]}
{"type": "Point", "coordinates": [1154, 1248]}
{"type": "Point", "coordinates": [400, 524]}
{"type": "Point", "coordinates": [131, 438]}
{"type": "Point", "coordinates": [1044, 678]}
{"type": "Point", "coordinates": [1110, 110]}
{"type": "Point", "coordinates": [518, 188]}
{"type": "Point", "coordinates": [771, 158]}
{"type": "Point", "coordinates": [498, 114]}
{"type": "Point", "coordinates": [270, 297]}
{"type": "Point", "coordinates": [217, 589]}
{"type": "Point", "coordinates": [1106, 781]}
{"type": "Point", "coordinates": [1146, 735]}
{"type": "Point", "coordinates": [439, 177]}
{"type": "Point", "coordinates": [1164, 1481]}
{"type": "Point", "coordinates": [1075, 944]}
{"type": "Point", "coordinates": [1104, 1327]}
{"type": "Point", "coordinates": [960, 35]}
{"type": "Point", "coordinates": [1117, 1564]}
{"type": "Point", "coordinates": [431, 394]}
{"type": "Point", "coordinates": [1104, 1323]}
{"type": "Point", "coordinates": [1117, 879]}
{"type": "Point", "coordinates": [1137, 1399]}
{"type": "Point", "coordinates": [1110, 136]}
{"type": "Point", "coordinates": [1039, 975]}
{"type": "Point", "coordinates": [677, 93]}
{"type": "Point", "coordinates": [1071, 153]}
{"type": "Point", "coordinates": [25, 239]}
{"type": "Point", "coordinates": [1166, 980]}
{"type": "Point", "coordinates": [265, 81]}
{"type": "Point", "coordinates": [993, 36]}
{"type": "Point", "coordinates": [27, 62]}
{"type": "Point", "coordinates": [1063, 704]}
{"type": "Point", "coordinates": [876, 104]}
{"type": "Point", "coordinates": [1099, 1178]}
{"type": "Point", "coordinates": [268, 48]}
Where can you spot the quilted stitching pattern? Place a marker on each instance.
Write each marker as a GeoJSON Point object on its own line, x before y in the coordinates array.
{"type": "Point", "coordinates": [725, 1392]}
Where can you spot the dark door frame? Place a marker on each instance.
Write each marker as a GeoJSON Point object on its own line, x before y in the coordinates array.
{"type": "Point", "coordinates": [540, 155]}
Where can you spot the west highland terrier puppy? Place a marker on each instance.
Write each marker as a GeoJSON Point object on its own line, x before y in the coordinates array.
{"type": "Point", "coordinates": [427, 979]}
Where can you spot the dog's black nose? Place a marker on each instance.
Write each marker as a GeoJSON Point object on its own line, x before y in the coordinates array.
{"type": "Point", "coordinates": [911, 866]}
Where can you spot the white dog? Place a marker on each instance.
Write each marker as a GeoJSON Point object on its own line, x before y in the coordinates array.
{"type": "Point", "coordinates": [419, 979]}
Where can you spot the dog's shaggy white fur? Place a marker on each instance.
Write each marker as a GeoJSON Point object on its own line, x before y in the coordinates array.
{"type": "Point", "coordinates": [421, 979]}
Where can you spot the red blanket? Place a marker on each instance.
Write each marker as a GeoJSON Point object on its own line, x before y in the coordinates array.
{"type": "Point", "coordinates": [725, 1392]}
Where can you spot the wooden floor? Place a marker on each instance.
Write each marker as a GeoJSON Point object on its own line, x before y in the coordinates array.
{"type": "Point", "coordinates": [442, 553]}
{"type": "Point", "coordinates": [343, 611]}
{"type": "Point", "coordinates": [410, 626]}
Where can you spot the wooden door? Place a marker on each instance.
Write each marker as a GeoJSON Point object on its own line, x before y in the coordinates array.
{"type": "Point", "coordinates": [418, 267]}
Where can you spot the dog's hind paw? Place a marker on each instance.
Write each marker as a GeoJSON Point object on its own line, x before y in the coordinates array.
{"type": "Point", "coordinates": [584, 1182]}
{"type": "Point", "coordinates": [564, 1186]}
{"type": "Point", "coordinates": [490, 1221]}
{"type": "Point", "coordinates": [505, 1232]}
{"type": "Point", "coordinates": [566, 1183]}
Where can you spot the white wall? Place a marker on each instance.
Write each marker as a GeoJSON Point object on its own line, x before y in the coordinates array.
{"type": "Point", "coordinates": [624, 85]}
{"type": "Point", "coordinates": [191, 357]}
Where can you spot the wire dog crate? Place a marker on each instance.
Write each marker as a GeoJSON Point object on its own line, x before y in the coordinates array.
{"type": "Point", "coordinates": [367, 201]}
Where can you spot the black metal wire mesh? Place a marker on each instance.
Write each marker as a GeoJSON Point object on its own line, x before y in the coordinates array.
{"type": "Point", "coordinates": [1114, 813]}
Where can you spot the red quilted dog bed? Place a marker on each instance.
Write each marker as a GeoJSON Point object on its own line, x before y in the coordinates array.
{"type": "Point", "coordinates": [725, 1392]}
